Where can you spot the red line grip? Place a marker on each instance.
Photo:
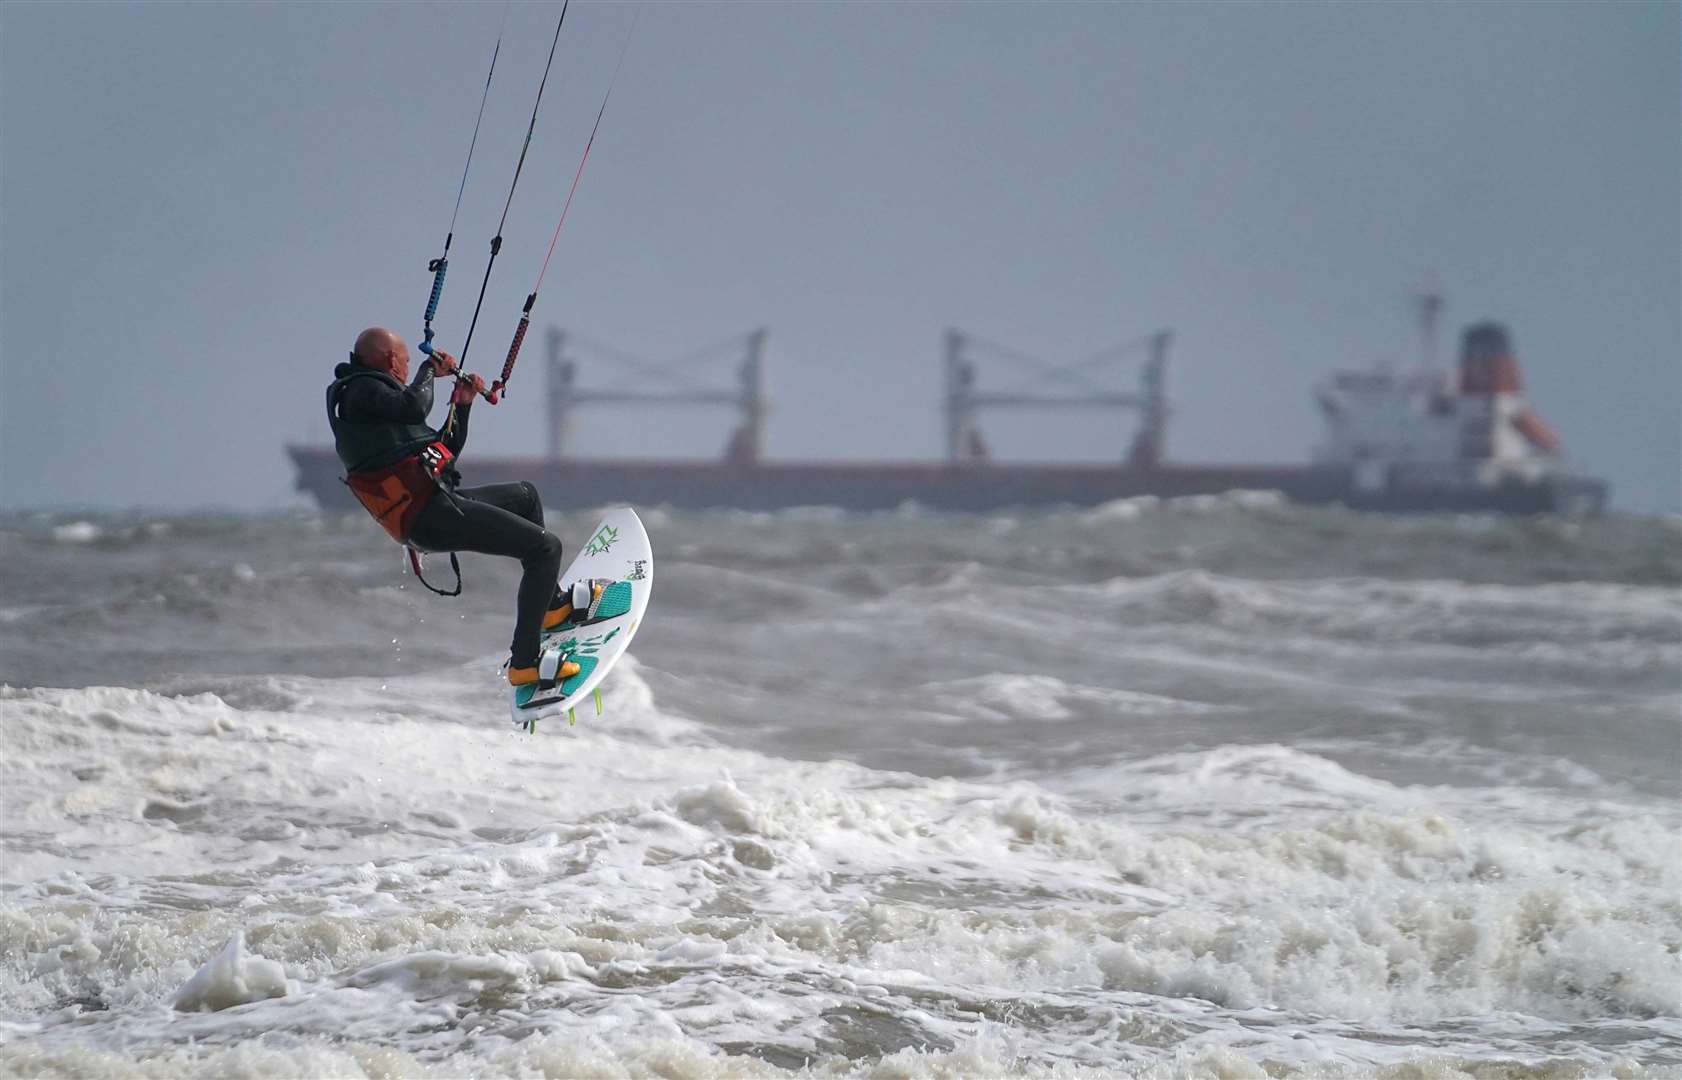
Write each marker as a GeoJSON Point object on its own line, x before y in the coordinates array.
{"type": "Point", "coordinates": [495, 392]}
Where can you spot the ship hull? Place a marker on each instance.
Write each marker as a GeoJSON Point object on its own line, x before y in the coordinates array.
{"type": "Point", "coordinates": [868, 486]}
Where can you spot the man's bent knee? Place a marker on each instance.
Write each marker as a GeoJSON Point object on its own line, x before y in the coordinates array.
{"type": "Point", "coordinates": [549, 548]}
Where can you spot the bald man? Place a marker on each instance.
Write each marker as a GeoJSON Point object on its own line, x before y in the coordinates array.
{"type": "Point", "coordinates": [403, 472]}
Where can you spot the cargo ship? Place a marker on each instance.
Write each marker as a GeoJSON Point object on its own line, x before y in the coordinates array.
{"type": "Point", "coordinates": [1422, 440]}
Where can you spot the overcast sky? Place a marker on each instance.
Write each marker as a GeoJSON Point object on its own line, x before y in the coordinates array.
{"type": "Point", "coordinates": [201, 205]}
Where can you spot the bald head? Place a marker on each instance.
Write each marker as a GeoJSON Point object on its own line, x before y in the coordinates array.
{"type": "Point", "coordinates": [383, 350]}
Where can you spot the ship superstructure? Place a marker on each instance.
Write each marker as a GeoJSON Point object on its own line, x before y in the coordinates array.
{"type": "Point", "coordinates": [1430, 435]}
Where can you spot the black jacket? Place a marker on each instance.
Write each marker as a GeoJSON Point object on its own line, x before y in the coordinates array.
{"type": "Point", "coordinates": [377, 421]}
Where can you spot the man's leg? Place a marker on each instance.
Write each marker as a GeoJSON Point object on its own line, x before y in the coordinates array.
{"type": "Point", "coordinates": [522, 498]}
{"type": "Point", "coordinates": [460, 522]}
{"type": "Point", "coordinates": [518, 498]}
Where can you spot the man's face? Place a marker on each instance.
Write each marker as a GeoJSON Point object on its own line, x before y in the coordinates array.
{"type": "Point", "coordinates": [398, 358]}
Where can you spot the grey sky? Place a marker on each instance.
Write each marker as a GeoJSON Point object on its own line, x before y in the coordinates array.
{"type": "Point", "coordinates": [201, 205]}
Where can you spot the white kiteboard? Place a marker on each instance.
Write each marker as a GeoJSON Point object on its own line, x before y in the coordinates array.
{"type": "Point", "coordinates": [619, 554]}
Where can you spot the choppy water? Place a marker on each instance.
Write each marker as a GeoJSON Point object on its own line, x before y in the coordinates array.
{"type": "Point", "coordinates": [1216, 786]}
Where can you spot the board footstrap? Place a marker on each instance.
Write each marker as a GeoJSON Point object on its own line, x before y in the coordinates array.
{"type": "Point", "coordinates": [537, 695]}
{"type": "Point", "coordinates": [614, 601]}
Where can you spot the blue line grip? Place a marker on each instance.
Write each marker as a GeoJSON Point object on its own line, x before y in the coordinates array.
{"type": "Point", "coordinates": [438, 268]}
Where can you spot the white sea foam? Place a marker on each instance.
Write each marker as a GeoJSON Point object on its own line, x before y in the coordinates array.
{"type": "Point", "coordinates": [232, 978]}
{"type": "Point", "coordinates": [77, 532]}
{"type": "Point", "coordinates": [1120, 509]}
{"type": "Point", "coordinates": [1015, 698]}
{"type": "Point", "coordinates": [1406, 916]}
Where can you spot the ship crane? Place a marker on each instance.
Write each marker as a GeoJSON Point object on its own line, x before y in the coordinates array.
{"type": "Point", "coordinates": [678, 387]}
{"type": "Point", "coordinates": [964, 402]}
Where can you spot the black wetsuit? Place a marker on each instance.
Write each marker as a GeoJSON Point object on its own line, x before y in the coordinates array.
{"type": "Point", "coordinates": [496, 519]}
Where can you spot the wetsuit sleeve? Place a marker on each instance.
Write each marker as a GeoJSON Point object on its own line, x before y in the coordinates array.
{"type": "Point", "coordinates": [373, 399]}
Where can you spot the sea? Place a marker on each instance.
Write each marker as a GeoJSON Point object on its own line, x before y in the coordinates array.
{"type": "Point", "coordinates": [1216, 786]}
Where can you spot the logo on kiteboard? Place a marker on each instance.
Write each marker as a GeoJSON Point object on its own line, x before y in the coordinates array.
{"type": "Point", "coordinates": [603, 540]}
{"type": "Point", "coordinates": [639, 570]}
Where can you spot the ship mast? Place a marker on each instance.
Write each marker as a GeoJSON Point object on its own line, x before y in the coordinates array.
{"type": "Point", "coordinates": [1428, 309]}
{"type": "Point", "coordinates": [747, 441]}
{"type": "Point", "coordinates": [964, 402]}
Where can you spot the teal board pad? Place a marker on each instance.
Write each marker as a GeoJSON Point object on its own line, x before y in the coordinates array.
{"type": "Point", "coordinates": [616, 601]}
{"type": "Point", "coordinates": [586, 664]}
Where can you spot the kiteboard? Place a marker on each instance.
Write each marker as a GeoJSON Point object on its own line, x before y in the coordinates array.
{"type": "Point", "coordinates": [618, 557]}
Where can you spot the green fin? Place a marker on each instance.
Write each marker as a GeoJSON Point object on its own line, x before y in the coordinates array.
{"type": "Point", "coordinates": [572, 717]}
{"type": "Point", "coordinates": [598, 701]}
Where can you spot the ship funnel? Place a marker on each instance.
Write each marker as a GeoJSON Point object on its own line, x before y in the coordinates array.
{"type": "Point", "coordinates": [1491, 392]}
{"type": "Point", "coordinates": [1487, 365]}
